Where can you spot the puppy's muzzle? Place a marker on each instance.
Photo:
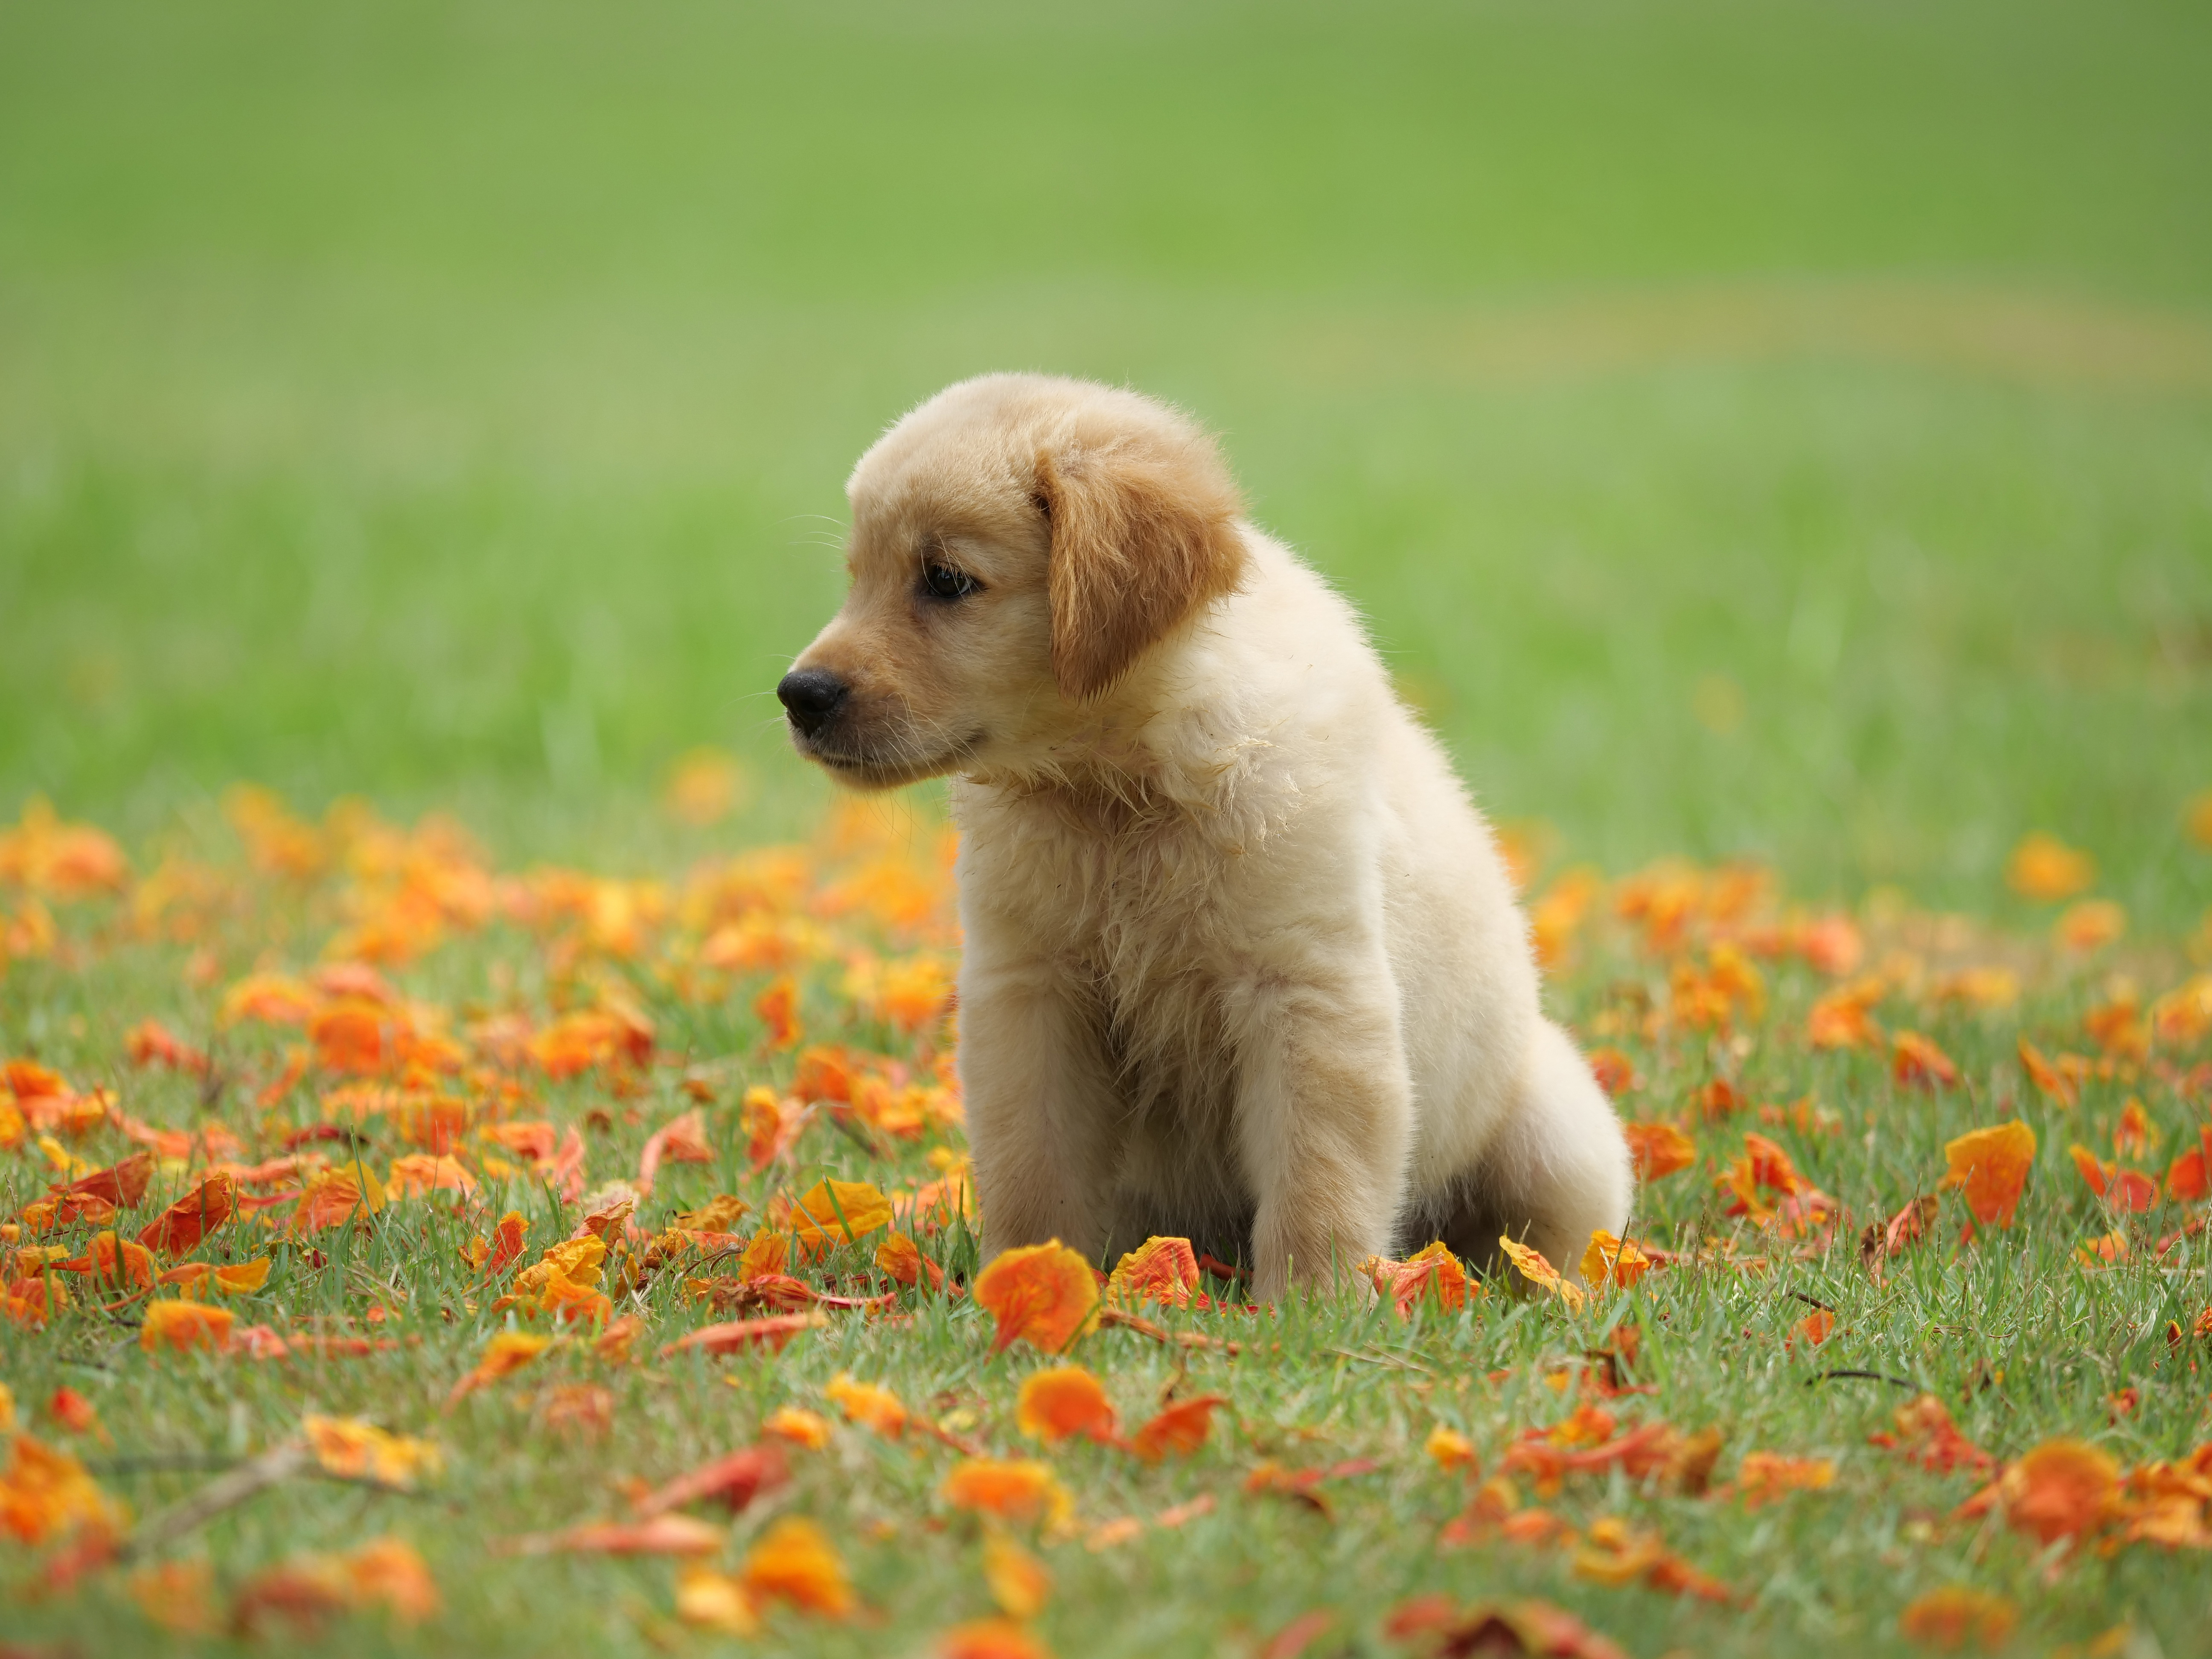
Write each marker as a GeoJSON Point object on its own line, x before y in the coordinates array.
{"type": "Point", "coordinates": [812, 696]}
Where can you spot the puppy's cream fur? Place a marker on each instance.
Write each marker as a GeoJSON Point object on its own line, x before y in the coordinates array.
{"type": "Point", "coordinates": [1242, 963]}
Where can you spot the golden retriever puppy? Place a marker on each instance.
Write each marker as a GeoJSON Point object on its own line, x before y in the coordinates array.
{"type": "Point", "coordinates": [1242, 963]}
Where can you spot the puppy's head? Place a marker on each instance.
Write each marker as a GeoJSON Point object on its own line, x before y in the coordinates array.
{"type": "Point", "coordinates": [1019, 544]}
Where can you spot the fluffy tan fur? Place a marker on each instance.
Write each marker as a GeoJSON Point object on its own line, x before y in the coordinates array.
{"type": "Point", "coordinates": [1241, 960]}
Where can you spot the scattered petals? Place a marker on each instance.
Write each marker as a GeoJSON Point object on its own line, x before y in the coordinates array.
{"type": "Point", "coordinates": [901, 1258]}
{"type": "Point", "coordinates": [45, 1495]}
{"type": "Point", "coordinates": [1438, 1629]}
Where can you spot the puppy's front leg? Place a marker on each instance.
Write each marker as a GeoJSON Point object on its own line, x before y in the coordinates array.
{"type": "Point", "coordinates": [1039, 1099]}
{"type": "Point", "coordinates": [1324, 1116]}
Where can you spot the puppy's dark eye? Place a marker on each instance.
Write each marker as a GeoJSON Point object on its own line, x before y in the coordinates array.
{"type": "Point", "coordinates": [942, 581]}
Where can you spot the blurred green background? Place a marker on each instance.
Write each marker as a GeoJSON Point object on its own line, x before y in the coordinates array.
{"type": "Point", "coordinates": [1779, 427]}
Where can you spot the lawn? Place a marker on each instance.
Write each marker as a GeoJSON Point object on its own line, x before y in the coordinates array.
{"type": "Point", "coordinates": [1777, 437]}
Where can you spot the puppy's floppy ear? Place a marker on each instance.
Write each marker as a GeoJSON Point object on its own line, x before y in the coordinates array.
{"type": "Point", "coordinates": [1143, 534]}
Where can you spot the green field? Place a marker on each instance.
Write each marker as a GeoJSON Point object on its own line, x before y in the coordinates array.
{"type": "Point", "coordinates": [1776, 429]}
{"type": "Point", "coordinates": [452, 404]}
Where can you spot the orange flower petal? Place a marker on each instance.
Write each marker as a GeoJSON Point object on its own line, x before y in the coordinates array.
{"type": "Point", "coordinates": [1616, 1261]}
{"type": "Point", "coordinates": [873, 1408]}
{"type": "Point", "coordinates": [1955, 1615]}
{"type": "Point", "coordinates": [1992, 1165]}
{"type": "Point", "coordinates": [1764, 1476]}
{"type": "Point", "coordinates": [2062, 1489]}
{"type": "Point", "coordinates": [714, 1601]}
{"type": "Point", "coordinates": [990, 1638]}
{"type": "Point", "coordinates": [1182, 1428]}
{"type": "Point", "coordinates": [505, 1353]}
{"type": "Point", "coordinates": [1532, 1266]}
{"type": "Point", "coordinates": [901, 1258]}
{"type": "Point", "coordinates": [180, 1325]}
{"type": "Point", "coordinates": [799, 1427]}
{"type": "Point", "coordinates": [181, 1226]}
{"type": "Point", "coordinates": [1450, 1450]}
{"type": "Point", "coordinates": [772, 1333]}
{"type": "Point", "coordinates": [1916, 1061]}
{"type": "Point", "coordinates": [834, 1211]}
{"type": "Point", "coordinates": [243, 1277]}
{"type": "Point", "coordinates": [1012, 1489]}
{"type": "Point", "coordinates": [1659, 1149]}
{"type": "Point", "coordinates": [664, 1534]}
{"type": "Point", "coordinates": [732, 1481]}
{"type": "Point", "coordinates": [795, 1562]}
{"type": "Point", "coordinates": [1432, 1272]}
{"type": "Point", "coordinates": [356, 1449]}
{"type": "Point", "coordinates": [1044, 1294]}
{"type": "Point", "coordinates": [1065, 1401]}
{"type": "Point", "coordinates": [2044, 867]}
{"type": "Point", "coordinates": [1158, 1270]}
{"type": "Point", "coordinates": [1018, 1581]}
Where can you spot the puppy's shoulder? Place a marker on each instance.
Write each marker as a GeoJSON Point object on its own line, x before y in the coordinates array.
{"type": "Point", "coordinates": [1286, 643]}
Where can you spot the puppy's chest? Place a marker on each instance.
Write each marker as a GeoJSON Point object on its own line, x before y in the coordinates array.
{"type": "Point", "coordinates": [1146, 917]}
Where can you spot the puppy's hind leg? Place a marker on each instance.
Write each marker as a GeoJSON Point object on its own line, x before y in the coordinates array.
{"type": "Point", "coordinates": [1559, 1169]}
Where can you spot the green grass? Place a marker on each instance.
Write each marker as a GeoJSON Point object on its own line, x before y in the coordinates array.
{"type": "Point", "coordinates": [2020, 1342]}
{"type": "Point", "coordinates": [451, 403]}
{"type": "Point", "coordinates": [1770, 428]}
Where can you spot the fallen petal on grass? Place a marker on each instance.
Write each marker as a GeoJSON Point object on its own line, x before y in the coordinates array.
{"type": "Point", "coordinates": [1043, 1294]}
{"type": "Point", "coordinates": [663, 1535]}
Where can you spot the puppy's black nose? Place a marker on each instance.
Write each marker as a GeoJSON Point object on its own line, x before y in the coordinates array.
{"type": "Point", "coordinates": [811, 695]}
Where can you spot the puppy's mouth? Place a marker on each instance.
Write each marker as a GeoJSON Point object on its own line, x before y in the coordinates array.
{"type": "Point", "coordinates": [870, 770]}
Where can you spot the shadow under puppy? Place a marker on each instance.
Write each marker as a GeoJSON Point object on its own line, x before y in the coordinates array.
{"type": "Point", "coordinates": [1242, 961]}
